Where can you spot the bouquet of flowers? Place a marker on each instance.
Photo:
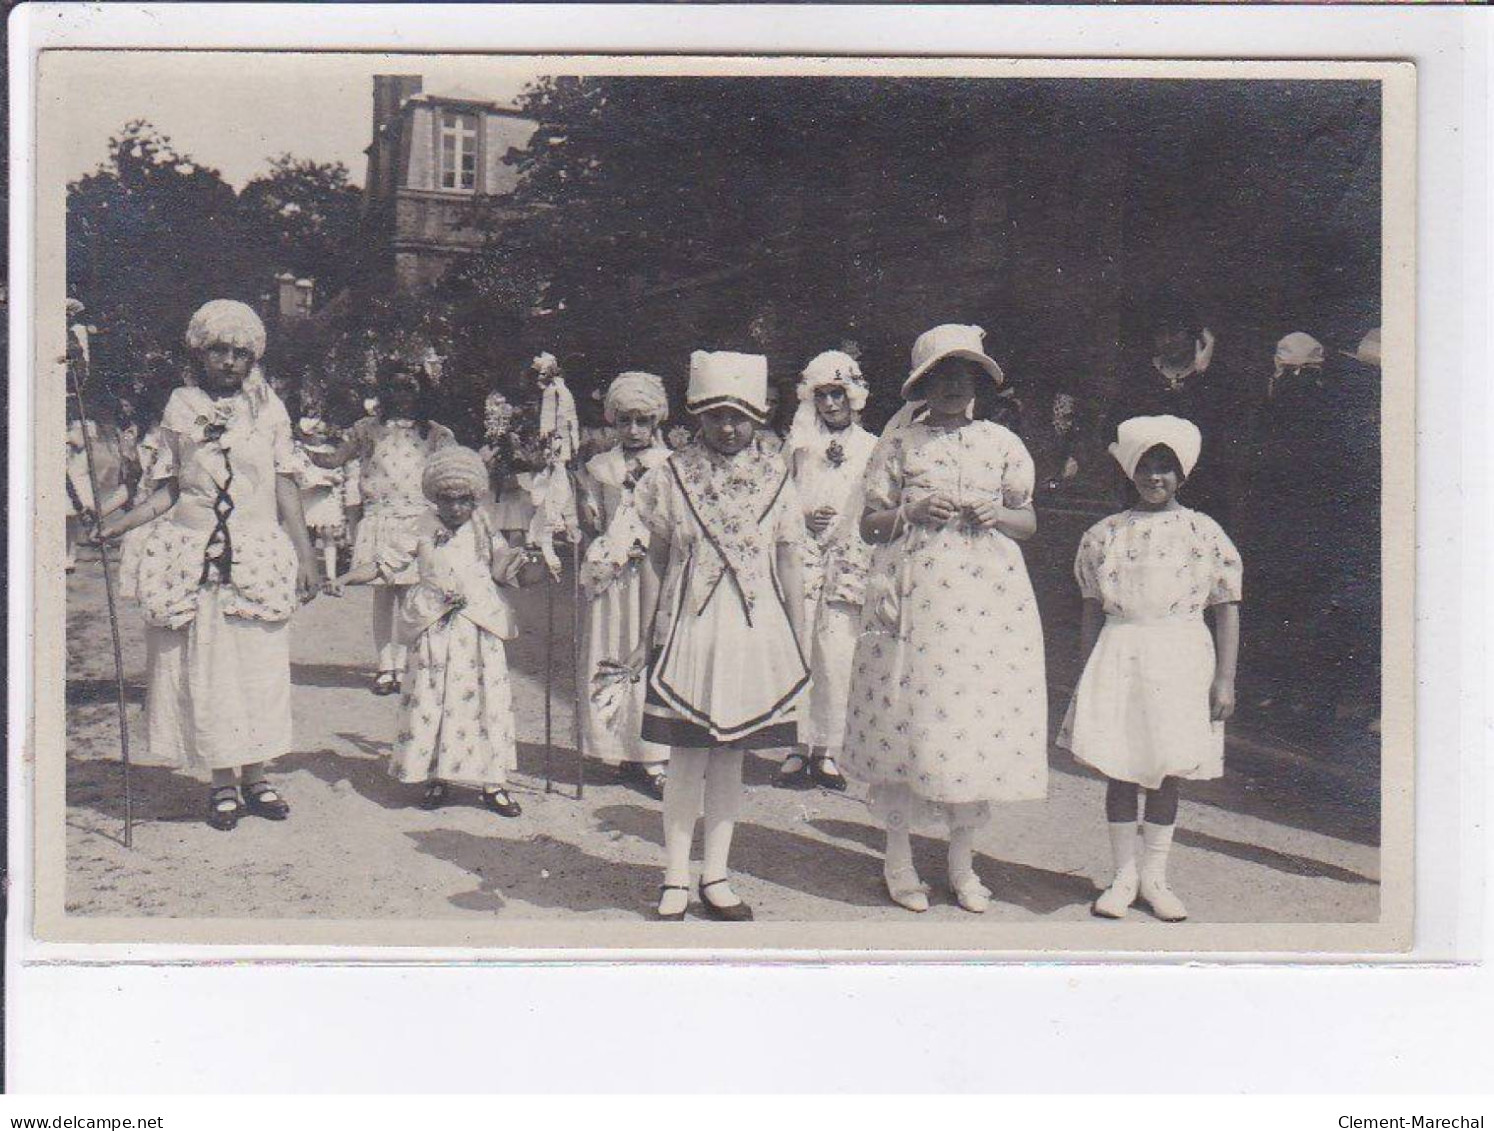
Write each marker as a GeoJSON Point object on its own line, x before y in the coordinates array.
{"type": "Point", "coordinates": [497, 417]}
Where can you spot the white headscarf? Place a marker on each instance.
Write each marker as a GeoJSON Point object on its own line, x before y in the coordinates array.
{"type": "Point", "coordinates": [1296, 351]}
{"type": "Point", "coordinates": [1135, 437]}
{"type": "Point", "coordinates": [641, 392]}
{"type": "Point", "coordinates": [829, 368]}
{"type": "Point", "coordinates": [225, 321]}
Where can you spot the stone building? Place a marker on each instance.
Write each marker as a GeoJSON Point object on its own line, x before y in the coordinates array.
{"type": "Point", "coordinates": [434, 160]}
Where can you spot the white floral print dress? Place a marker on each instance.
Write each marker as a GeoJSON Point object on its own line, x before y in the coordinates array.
{"type": "Point", "coordinates": [391, 457]}
{"type": "Point", "coordinates": [948, 692]}
{"type": "Point", "coordinates": [1141, 710]}
{"type": "Point", "coordinates": [457, 722]}
{"type": "Point", "coordinates": [217, 581]}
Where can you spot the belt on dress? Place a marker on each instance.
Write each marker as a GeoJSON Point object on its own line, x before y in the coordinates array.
{"type": "Point", "coordinates": [1152, 622]}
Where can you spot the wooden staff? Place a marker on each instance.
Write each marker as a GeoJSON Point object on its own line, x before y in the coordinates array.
{"type": "Point", "coordinates": [549, 681]}
{"type": "Point", "coordinates": [581, 687]}
{"type": "Point", "coordinates": [119, 684]}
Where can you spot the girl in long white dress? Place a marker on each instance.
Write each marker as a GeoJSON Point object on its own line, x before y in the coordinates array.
{"type": "Point", "coordinates": [722, 589]}
{"type": "Point", "coordinates": [1150, 707]}
{"type": "Point", "coordinates": [948, 708]}
{"type": "Point", "coordinates": [612, 573]}
{"type": "Point", "coordinates": [391, 449]}
{"type": "Point", "coordinates": [221, 574]}
{"type": "Point", "coordinates": [827, 451]}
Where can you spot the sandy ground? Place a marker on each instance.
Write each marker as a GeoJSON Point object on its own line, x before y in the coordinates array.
{"type": "Point", "coordinates": [1283, 838]}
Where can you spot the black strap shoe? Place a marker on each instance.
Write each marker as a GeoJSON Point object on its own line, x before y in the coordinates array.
{"type": "Point", "coordinates": [501, 803]}
{"type": "Point", "coordinates": [736, 913]}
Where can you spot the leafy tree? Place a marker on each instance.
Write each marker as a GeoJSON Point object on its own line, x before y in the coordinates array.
{"type": "Point", "coordinates": [149, 235]}
{"type": "Point", "coordinates": [304, 217]}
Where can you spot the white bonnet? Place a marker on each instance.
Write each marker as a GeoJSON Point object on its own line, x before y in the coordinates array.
{"type": "Point", "coordinates": [1135, 437]}
{"type": "Point", "coordinates": [636, 391]}
{"type": "Point", "coordinates": [226, 322]}
{"type": "Point", "coordinates": [834, 368]}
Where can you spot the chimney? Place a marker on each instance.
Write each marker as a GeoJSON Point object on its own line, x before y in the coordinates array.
{"type": "Point", "coordinates": [389, 94]}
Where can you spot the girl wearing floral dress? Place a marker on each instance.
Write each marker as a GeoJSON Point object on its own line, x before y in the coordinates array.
{"type": "Point", "coordinates": [1150, 707]}
{"type": "Point", "coordinates": [728, 671]}
{"type": "Point", "coordinates": [457, 723]}
{"type": "Point", "coordinates": [612, 573]}
{"type": "Point", "coordinates": [948, 709]}
{"type": "Point", "coordinates": [391, 448]}
{"type": "Point", "coordinates": [220, 575]}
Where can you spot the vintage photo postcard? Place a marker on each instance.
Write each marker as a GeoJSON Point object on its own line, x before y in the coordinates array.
{"type": "Point", "coordinates": [687, 505]}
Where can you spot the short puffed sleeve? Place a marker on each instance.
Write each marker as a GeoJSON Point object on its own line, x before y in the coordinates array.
{"type": "Point", "coordinates": [1228, 571]}
{"type": "Point", "coordinates": [164, 456]}
{"type": "Point", "coordinates": [1089, 562]}
{"type": "Point", "coordinates": [177, 421]}
{"type": "Point", "coordinates": [1018, 476]}
{"type": "Point", "coordinates": [653, 498]}
{"type": "Point", "coordinates": [884, 476]}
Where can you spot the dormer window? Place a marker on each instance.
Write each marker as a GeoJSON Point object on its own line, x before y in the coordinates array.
{"type": "Point", "coordinates": [458, 151]}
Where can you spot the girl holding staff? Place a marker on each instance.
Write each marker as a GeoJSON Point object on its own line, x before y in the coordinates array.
{"type": "Point", "coordinates": [221, 575]}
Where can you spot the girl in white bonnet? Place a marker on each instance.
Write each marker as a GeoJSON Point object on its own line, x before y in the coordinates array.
{"type": "Point", "coordinates": [635, 407]}
{"type": "Point", "coordinates": [723, 593]}
{"type": "Point", "coordinates": [1150, 707]}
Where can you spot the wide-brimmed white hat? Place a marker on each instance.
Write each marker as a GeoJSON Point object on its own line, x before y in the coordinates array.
{"type": "Point", "coordinates": [734, 380]}
{"type": "Point", "coordinates": [949, 340]}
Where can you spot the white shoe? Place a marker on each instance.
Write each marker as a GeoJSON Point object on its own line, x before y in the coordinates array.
{"type": "Point", "coordinates": [1118, 897]}
{"type": "Point", "coordinates": [1160, 898]}
{"type": "Point", "coordinates": [970, 893]}
{"type": "Point", "coordinates": [905, 889]}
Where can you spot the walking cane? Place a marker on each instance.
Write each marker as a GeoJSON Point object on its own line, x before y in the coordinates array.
{"type": "Point", "coordinates": [549, 681]}
{"type": "Point", "coordinates": [579, 704]}
{"type": "Point", "coordinates": [119, 684]}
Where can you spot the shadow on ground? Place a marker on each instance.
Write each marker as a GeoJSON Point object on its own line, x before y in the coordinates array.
{"type": "Point", "coordinates": [540, 871]}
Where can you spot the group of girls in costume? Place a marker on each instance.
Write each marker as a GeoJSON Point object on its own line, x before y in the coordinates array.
{"type": "Point", "coordinates": [859, 603]}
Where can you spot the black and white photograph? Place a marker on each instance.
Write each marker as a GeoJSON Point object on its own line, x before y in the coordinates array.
{"type": "Point", "coordinates": [626, 503]}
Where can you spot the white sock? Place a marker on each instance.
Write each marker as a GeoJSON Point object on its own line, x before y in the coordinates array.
{"type": "Point", "coordinates": [899, 857]}
{"type": "Point", "coordinates": [1123, 848]}
{"type": "Point", "coordinates": [1156, 842]}
{"type": "Point", "coordinates": [961, 852]}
